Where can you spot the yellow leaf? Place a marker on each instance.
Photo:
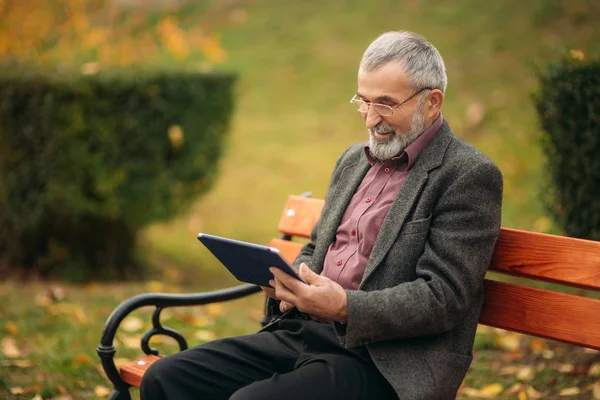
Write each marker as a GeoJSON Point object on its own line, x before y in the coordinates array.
{"type": "Point", "coordinates": [205, 336]}
{"type": "Point", "coordinates": [132, 324]}
{"type": "Point", "coordinates": [509, 342]}
{"type": "Point", "coordinates": [133, 342]}
{"type": "Point", "coordinates": [594, 369]}
{"type": "Point", "coordinates": [17, 390]}
{"type": "Point", "coordinates": [491, 390]}
{"type": "Point", "coordinates": [526, 374]}
{"type": "Point", "coordinates": [577, 54]}
{"type": "Point", "coordinates": [537, 346]}
{"type": "Point", "coordinates": [37, 397]}
{"type": "Point", "coordinates": [9, 347]}
{"type": "Point", "coordinates": [534, 394]}
{"type": "Point", "coordinates": [81, 359]}
{"type": "Point", "coordinates": [19, 363]}
{"type": "Point", "coordinates": [572, 391]}
{"type": "Point", "coordinates": [565, 368]}
{"type": "Point", "coordinates": [522, 396]}
{"type": "Point", "coordinates": [11, 328]}
{"type": "Point", "coordinates": [596, 390]}
{"type": "Point", "coordinates": [214, 309]}
{"type": "Point", "coordinates": [101, 391]}
{"type": "Point", "coordinates": [175, 136]}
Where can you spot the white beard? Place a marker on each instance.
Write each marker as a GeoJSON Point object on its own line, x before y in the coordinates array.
{"type": "Point", "coordinates": [385, 149]}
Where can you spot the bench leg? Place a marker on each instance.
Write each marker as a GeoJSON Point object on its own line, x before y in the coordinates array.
{"type": "Point", "coordinates": [117, 395]}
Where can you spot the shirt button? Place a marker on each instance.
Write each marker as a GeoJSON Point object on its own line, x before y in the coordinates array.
{"type": "Point", "coordinates": [387, 170]}
{"type": "Point", "coordinates": [353, 232]}
{"type": "Point", "coordinates": [368, 200]}
{"type": "Point", "coordinates": [339, 262]}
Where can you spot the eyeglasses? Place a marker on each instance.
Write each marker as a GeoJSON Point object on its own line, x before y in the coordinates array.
{"type": "Point", "coordinates": [382, 109]}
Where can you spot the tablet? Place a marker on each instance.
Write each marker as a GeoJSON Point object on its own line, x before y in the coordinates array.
{"type": "Point", "coordinates": [248, 262]}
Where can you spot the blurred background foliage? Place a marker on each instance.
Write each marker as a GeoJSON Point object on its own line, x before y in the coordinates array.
{"type": "Point", "coordinates": [568, 105]}
{"type": "Point", "coordinates": [297, 65]}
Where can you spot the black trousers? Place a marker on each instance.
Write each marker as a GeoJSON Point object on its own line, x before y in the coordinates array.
{"type": "Point", "coordinates": [298, 359]}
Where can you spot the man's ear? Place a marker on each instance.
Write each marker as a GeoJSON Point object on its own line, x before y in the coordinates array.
{"type": "Point", "coordinates": [434, 104]}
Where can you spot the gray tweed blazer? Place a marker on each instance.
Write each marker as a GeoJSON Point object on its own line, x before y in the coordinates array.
{"type": "Point", "coordinates": [417, 307]}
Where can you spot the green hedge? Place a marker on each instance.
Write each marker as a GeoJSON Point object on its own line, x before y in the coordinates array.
{"type": "Point", "coordinates": [86, 162]}
{"type": "Point", "coordinates": [568, 104]}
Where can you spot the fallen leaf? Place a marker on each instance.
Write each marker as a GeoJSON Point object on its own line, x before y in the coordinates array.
{"type": "Point", "coordinates": [508, 342]}
{"type": "Point", "coordinates": [205, 335]}
{"type": "Point", "coordinates": [491, 390]}
{"type": "Point", "coordinates": [537, 345]}
{"type": "Point", "coordinates": [596, 390]}
{"type": "Point", "coordinates": [19, 363]}
{"type": "Point", "coordinates": [515, 389]}
{"type": "Point", "coordinates": [11, 328]}
{"type": "Point", "coordinates": [534, 394]}
{"type": "Point", "coordinates": [487, 392]}
{"type": "Point", "coordinates": [565, 368]}
{"type": "Point", "coordinates": [102, 391]}
{"type": "Point", "coordinates": [132, 342]}
{"type": "Point", "coordinates": [548, 354]}
{"type": "Point", "coordinates": [72, 310]}
{"type": "Point", "coordinates": [197, 321]}
{"type": "Point", "coordinates": [594, 369]}
{"type": "Point", "coordinates": [526, 374]}
{"type": "Point", "coordinates": [572, 391]}
{"type": "Point", "coordinates": [522, 396]}
{"type": "Point", "coordinates": [132, 324]}
{"type": "Point", "coordinates": [16, 390]}
{"type": "Point", "coordinates": [61, 389]}
{"type": "Point", "coordinates": [37, 397]}
{"type": "Point", "coordinates": [82, 359]}
{"type": "Point", "coordinates": [214, 310]}
{"type": "Point", "coordinates": [9, 347]}
{"type": "Point", "coordinates": [509, 370]}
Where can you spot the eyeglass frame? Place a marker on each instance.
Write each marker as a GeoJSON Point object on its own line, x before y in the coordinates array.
{"type": "Point", "coordinates": [391, 107]}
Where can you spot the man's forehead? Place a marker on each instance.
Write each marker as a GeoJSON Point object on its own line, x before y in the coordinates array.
{"type": "Point", "coordinates": [388, 80]}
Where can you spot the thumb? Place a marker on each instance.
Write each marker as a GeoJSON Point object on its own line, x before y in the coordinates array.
{"type": "Point", "coordinates": [307, 274]}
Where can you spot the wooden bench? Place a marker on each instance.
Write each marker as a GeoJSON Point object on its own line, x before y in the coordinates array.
{"type": "Point", "coordinates": [515, 307]}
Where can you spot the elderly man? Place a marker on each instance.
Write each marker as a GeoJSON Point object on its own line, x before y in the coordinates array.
{"type": "Point", "coordinates": [394, 268]}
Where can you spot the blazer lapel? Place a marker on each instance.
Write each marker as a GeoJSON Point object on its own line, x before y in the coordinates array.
{"type": "Point", "coordinates": [430, 158]}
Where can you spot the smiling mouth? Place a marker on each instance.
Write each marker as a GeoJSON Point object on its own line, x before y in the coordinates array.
{"type": "Point", "coordinates": [383, 134]}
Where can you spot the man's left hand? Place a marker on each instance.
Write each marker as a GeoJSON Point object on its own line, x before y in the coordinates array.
{"type": "Point", "coordinates": [319, 296]}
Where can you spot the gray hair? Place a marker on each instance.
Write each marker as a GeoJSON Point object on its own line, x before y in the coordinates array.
{"type": "Point", "coordinates": [421, 61]}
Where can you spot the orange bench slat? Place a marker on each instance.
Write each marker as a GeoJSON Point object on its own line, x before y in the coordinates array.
{"type": "Point", "coordinates": [539, 256]}
{"type": "Point", "coordinates": [288, 250]}
{"type": "Point", "coordinates": [133, 372]}
{"type": "Point", "coordinates": [551, 315]}
{"type": "Point", "coordinates": [299, 216]}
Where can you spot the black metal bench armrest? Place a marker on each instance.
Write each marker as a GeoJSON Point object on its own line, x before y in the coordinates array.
{"type": "Point", "coordinates": [106, 349]}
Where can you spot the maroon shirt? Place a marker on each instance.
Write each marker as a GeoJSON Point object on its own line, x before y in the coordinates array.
{"type": "Point", "coordinates": [347, 256]}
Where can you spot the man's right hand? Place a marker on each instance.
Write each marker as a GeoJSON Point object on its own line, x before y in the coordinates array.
{"type": "Point", "coordinates": [283, 305]}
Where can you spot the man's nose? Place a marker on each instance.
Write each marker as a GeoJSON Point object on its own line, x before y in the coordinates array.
{"type": "Point", "coordinates": [372, 118]}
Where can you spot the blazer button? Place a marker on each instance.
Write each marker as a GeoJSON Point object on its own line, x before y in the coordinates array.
{"type": "Point", "coordinates": [339, 262]}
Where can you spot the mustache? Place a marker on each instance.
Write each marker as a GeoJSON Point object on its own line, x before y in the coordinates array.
{"type": "Point", "coordinates": [383, 128]}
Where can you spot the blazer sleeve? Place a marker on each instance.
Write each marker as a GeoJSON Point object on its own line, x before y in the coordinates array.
{"type": "Point", "coordinates": [449, 274]}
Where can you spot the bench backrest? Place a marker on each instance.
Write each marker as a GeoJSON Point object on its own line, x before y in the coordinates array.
{"type": "Point", "coordinates": [545, 313]}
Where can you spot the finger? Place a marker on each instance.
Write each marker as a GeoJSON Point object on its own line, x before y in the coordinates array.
{"type": "Point", "coordinates": [292, 283]}
{"type": "Point", "coordinates": [308, 275]}
{"type": "Point", "coordinates": [284, 306]}
{"type": "Point", "coordinates": [283, 293]}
